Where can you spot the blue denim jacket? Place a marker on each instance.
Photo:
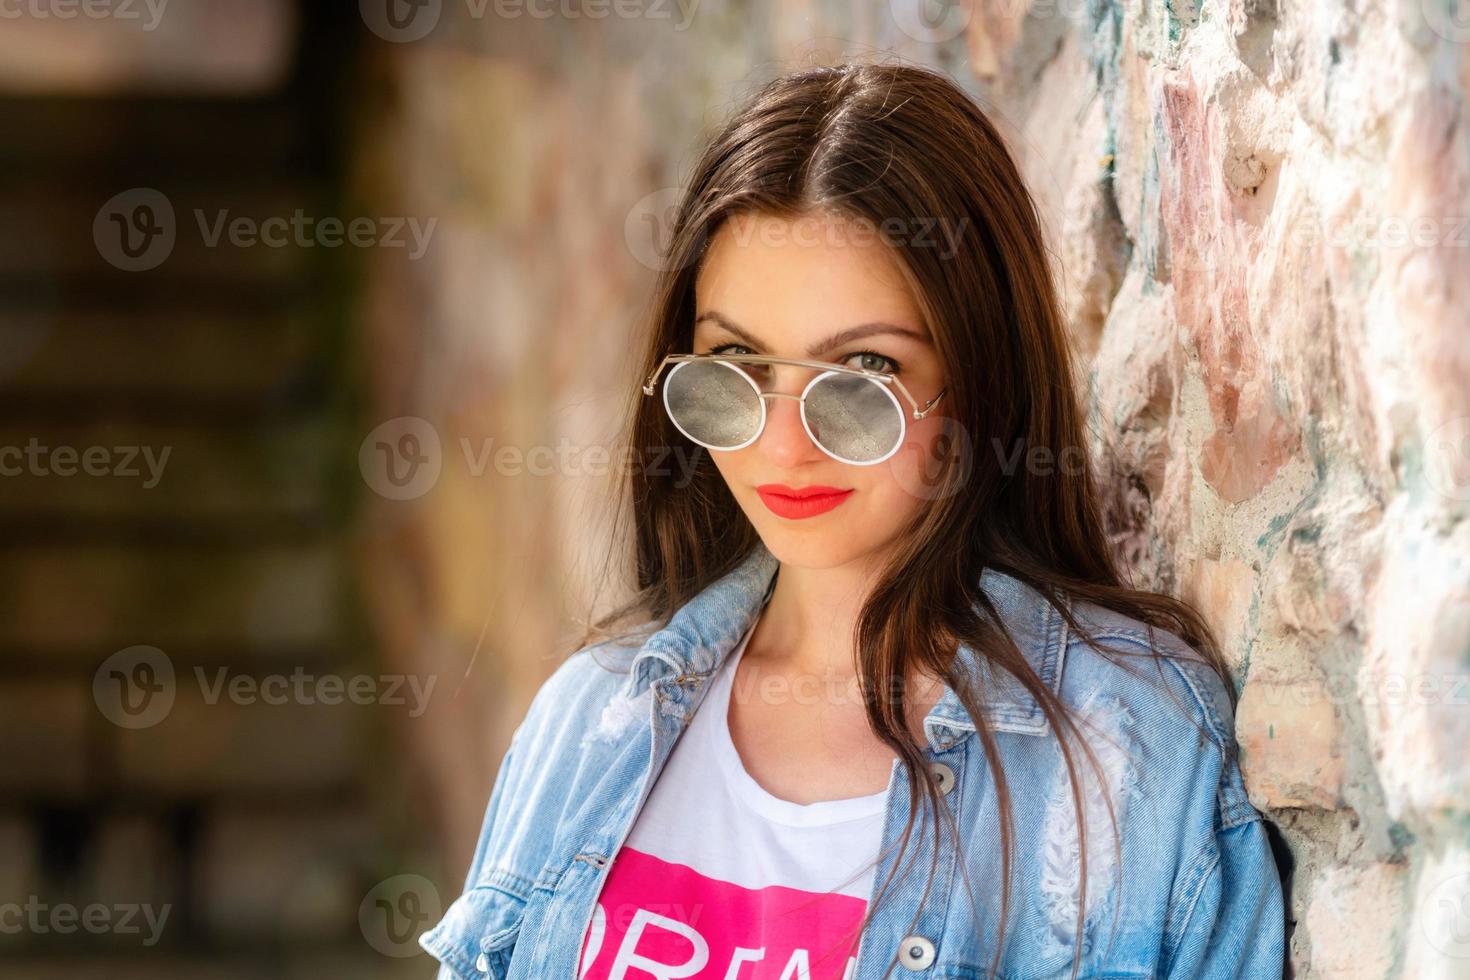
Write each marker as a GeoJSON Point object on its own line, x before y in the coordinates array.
{"type": "Point", "coordinates": [1197, 894]}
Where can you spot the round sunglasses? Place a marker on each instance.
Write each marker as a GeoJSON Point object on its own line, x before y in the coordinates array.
{"type": "Point", "coordinates": [850, 414]}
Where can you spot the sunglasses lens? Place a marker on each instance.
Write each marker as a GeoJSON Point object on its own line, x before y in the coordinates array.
{"type": "Point", "coordinates": [853, 418]}
{"type": "Point", "coordinates": [713, 403]}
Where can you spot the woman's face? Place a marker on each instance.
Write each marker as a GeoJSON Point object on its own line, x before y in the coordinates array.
{"type": "Point", "coordinates": [819, 288]}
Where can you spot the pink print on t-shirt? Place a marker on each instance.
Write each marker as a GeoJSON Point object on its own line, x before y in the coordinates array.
{"type": "Point", "coordinates": [667, 921]}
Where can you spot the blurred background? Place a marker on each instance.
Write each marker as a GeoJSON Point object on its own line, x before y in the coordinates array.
{"type": "Point", "coordinates": [315, 326]}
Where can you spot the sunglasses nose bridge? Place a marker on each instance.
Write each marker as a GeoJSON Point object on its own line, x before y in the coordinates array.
{"type": "Point", "coordinates": [778, 394]}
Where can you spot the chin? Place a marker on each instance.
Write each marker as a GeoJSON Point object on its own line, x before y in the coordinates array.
{"type": "Point", "coordinates": [803, 544]}
{"type": "Point", "coordinates": [808, 551]}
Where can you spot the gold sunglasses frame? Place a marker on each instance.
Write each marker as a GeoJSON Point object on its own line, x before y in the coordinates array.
{"type": "Point", "coordinates": [824, 367]}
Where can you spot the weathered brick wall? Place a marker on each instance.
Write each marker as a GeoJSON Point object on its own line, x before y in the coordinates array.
{"type": "Point", "coordinates": [1259, 216]}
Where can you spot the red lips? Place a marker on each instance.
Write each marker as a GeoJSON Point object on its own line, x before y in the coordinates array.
{"type": "Point", "coordinates": [796, 503]}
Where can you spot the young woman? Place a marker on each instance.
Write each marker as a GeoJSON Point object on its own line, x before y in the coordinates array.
{"type": "Point", "coordinates": [888, 708]}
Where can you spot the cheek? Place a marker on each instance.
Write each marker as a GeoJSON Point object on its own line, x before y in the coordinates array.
{"type": "Point", "coordinates": [912, 476]}
{"type": "Point", "coordinates": [731, 466]}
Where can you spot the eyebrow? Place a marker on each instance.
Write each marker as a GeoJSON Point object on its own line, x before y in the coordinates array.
{"type": "Point", "coordinates": [822, 346]}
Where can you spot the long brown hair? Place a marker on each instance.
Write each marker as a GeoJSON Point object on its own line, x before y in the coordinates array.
{"type": "Point", "coordinates": [875, 143]}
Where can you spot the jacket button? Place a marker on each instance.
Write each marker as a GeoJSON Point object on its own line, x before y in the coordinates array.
{"type": "Point", "coordinates": [944, 775]}
{"type": "Point", "coordinates": [915, 953]}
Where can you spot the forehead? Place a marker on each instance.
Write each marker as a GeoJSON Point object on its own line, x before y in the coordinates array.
{"type": "Point", "coordinates": [804, 277]}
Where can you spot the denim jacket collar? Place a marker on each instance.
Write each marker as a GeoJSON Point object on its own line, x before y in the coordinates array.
{"type": "Point", "coordinates": [701, 633]}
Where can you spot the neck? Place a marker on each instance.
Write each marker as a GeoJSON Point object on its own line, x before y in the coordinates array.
{"type": "Point", "coordinates": [806, 632]}
{"type": "Point", "coordinates": [807, 625]}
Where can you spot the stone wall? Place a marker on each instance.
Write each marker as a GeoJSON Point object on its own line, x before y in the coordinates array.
{"type": "Point", "coordinates": [1260, 222]}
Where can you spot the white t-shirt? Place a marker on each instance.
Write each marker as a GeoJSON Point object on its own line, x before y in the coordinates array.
{"type": "Point", "coordinates": [720, 880]}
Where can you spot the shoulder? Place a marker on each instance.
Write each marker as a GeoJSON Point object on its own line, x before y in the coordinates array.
{"type": "Point", "coordinates": [544, 772]}
{"type": "Point", "coordinates": [574, 700]}
{"type": "Point", "coordinates": [1125, 640]}
{"type": "Point", "coordinates": [554, 736]}
{"type": "Point", "coordinates": [1163, 693]}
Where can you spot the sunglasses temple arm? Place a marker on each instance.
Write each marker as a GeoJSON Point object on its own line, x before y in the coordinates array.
{"type": "Point", "coordinates": [648, 386]}
{"type": "Point", "coordinates": [919, 413]}
{"type": "Point", "coordinates": [930, 403]}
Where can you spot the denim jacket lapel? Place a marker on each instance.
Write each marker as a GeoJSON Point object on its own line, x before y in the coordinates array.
{"type": "Point", "coordinates": [706, 629]}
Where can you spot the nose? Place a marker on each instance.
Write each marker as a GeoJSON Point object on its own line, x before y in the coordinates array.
{"type": "Point", "coordinates": [784, 441]}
